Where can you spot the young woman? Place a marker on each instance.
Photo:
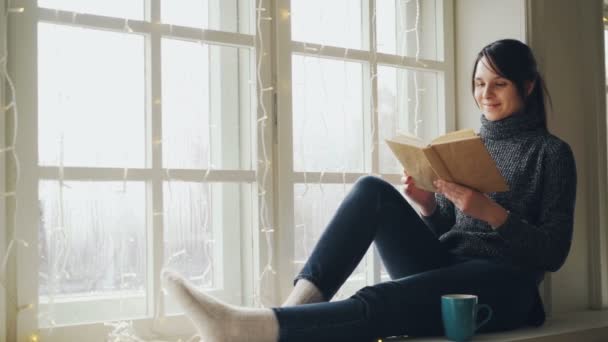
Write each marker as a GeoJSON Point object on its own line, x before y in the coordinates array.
{"type": "Point", "coordinates": [497, 246]}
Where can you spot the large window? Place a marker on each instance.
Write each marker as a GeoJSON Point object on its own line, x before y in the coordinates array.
{"type": "Point", "coordinates": [149, 139]}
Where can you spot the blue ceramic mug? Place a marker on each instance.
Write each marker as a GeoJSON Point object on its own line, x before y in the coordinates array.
{"type": "Point", "coordinates": [459, 312]}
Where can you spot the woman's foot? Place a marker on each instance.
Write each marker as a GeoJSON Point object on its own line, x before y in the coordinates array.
{"type": "Point", "coordinates": [217, 321]}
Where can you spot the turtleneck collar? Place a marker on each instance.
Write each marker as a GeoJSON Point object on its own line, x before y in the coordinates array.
{"type": "Point", "coordinates": [517, 124]}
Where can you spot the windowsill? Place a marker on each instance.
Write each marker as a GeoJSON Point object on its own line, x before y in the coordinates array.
{"type": "Point", "coordinates": [573, 326]}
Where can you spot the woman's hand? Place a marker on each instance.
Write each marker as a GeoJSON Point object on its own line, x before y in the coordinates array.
{"type": "Point", "coordinates": [473, 203]}
{"type": "Point", "coordinates": [424, 199]}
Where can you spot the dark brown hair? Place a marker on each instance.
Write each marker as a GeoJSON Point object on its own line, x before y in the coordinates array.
{"type": "Point", "coordinates": [515, 61]}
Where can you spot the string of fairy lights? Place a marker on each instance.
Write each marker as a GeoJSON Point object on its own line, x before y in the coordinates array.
{"type": "Point", "coordinates": [123, 330]}
{"type": "Point", "coordinates": [262, 14]}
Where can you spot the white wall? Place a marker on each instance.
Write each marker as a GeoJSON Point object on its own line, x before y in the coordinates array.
{"type": "Point", "coordinates": [568, 39]}
{"type": "Point", "coordinates": [478, 23]}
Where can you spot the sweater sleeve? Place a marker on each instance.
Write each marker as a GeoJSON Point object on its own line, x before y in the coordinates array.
{"type": "Point", "coordinates": [547, 244]}
{"type": "Point", "coordinates": [443, 218]}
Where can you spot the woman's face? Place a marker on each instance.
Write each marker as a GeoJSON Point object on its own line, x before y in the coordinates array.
{"type": "Point", "coordinates": [495, 95]}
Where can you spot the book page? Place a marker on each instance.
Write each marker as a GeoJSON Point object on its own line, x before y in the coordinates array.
{"type": "Point", "coordinates": [471, 165]}
{"type": "Point", "coordinates": [408, 139]}
{"type": "Point", "coordinates": [457, 135]}
{"type": "Point", "coordinates": [437, 164]}
{"type": "Point", "coordinates": [414, 162]}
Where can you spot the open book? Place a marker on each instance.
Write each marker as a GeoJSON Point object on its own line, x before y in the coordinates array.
{"type": "Point", "coordinates": [458, 157]}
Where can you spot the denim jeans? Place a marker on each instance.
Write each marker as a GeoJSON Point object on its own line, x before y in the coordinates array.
{"type": "Point", "coordinates": [420, 268]}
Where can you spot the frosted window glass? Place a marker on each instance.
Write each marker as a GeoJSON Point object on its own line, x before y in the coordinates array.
{"type": "Point", "coordinates": [335, 22]}
{"type": "Point", "coordinates": [219, 15]}
{"type": "Point", "coordinates": [396, 22]}
{"type": "Point", "coordinates": [328, 125]}
{"type": "Point", "coordinates": [91, 100]}
{"type": "Point", "coordinates": [94, 240]}
{"type": "Point", "coordinates": [132, 9]}
{"type": "Point", "coordinates": [201, 108]}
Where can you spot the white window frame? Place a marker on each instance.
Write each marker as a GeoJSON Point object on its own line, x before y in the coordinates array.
{"type": "Point", "coordinates": [370, 59]}
{"type": "Point", "coordinates": [23, 48]}
{"type": "Point", "coordinates": [273, 203]}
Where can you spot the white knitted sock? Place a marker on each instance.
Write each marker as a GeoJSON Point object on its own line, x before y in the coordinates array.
{"type": "Point", "coordinates": [217, 321]}
{"type": "Point", "coordinates": [304, 292]}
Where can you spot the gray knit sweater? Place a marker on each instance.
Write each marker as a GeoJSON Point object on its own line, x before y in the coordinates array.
{"type": "Point", "coordinates": [541, 174]}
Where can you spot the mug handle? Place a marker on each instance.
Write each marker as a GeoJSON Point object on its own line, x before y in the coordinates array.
{"type": "Point", "coordinates": [479, 308]}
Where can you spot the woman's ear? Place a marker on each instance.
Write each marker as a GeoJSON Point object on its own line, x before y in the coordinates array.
{"type": "Point", "coordinates": [529, 87]}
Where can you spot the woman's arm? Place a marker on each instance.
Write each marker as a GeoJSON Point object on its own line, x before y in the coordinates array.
{"type": "Point", "coordinates": [442, 218]}
{"type": "Point", "coordinates": [546, 244]}
{"type": "Point", "coordinates": [436, 211]}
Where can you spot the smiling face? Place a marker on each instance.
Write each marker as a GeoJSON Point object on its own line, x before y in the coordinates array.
{"type": "Point", "coordinates": [496, 96]}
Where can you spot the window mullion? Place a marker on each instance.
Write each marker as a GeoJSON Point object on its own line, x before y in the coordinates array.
{"type": "Point", "coordinates": [154, 192]}
{"type": "Point", "coordinates": [144, 174]}
{"type": "Point", "coordinates": [370, 89]}
{"type": "Point", "coordinates": [284, 127]}
{"type": "Point", "coordinates": [370, 95]}
{"type": "Point", "coordinates": [95, 21]}
{"type": "Point", "coordinates": [446, 93]}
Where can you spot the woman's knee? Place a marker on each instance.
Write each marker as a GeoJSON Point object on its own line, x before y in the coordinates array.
{"type": "Point", "coordinates": [377, 186]}
{"type": "Point", "coordinates": [372, 183]}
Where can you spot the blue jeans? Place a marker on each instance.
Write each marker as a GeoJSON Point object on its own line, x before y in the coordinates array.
{"type": "Point", "coordinates": [419, 266]}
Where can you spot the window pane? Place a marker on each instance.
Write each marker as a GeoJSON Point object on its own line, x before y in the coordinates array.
{"type": "Point", "coordinates": [131, 9]}
{"type": "Point", "coordinates": [335, 22]}
{"type": "Point", "coordinates": [202, 227]}
{"type": "Point", "coordinates": [315, 205]}
{"type": "Point", "coordinates": [92, 245]}
{"type": "Point", "coordinates": [220, 15]}
{"type": "Point", "coordinates": [396, 28]}
{"type": "Point", "coordinates": [193, 13]}
{"type": "Point", "coordinates": [91, 101]}
{"type": "Point", "coordinates": [189, 235]}
{"type": "Point", "coordinates": [328, 128]}
{"type": "Point", "coordinates": [398, 103]}
{"type": "Point", "coordinates": [202, 121]}
{"type": "Point", "coordinates": [201, 220]}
